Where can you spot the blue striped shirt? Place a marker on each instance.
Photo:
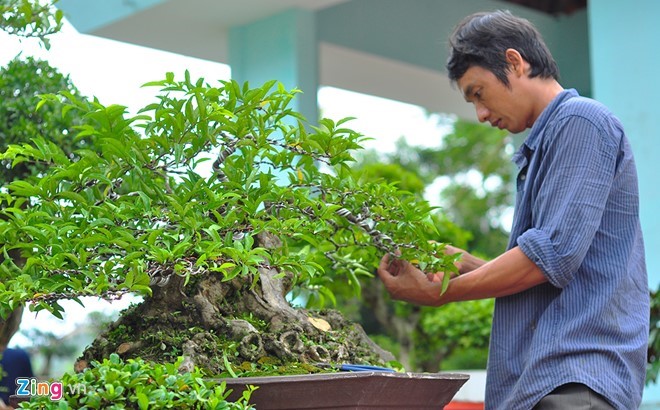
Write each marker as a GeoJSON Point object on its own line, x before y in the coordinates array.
{"type": "Point", "coordinates": [577, 218]}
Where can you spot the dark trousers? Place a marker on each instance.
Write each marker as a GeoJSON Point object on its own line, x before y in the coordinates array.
{"type": "Point", "coordinates": [573, 396]}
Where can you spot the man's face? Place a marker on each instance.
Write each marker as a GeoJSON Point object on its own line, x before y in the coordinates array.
{"type": "Point", "coordinates": [495, 103]}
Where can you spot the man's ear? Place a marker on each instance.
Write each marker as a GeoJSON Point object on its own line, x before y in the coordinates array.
{"type": "Point", "coordinates": [517, 63]}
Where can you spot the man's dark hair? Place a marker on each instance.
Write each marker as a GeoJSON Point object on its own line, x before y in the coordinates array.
{"type": "Point", "coordinates": [482, 39]}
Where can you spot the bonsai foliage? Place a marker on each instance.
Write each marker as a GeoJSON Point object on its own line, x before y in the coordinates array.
{"type": "Point", "coordinates": [475, 161]}
{"type": "Point", "coordinates": [30, 18]}
{"type": "Point", "coordinates": [215, 203]}
{"type": "Point", "coordinates": [141, 209]}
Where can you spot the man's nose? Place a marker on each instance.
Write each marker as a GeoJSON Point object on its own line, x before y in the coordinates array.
{"type": "Point", "coordinates": [482, 112]}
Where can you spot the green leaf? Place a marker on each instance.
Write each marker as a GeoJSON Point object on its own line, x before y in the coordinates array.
{"type": "Point", "coordinates": [143, 401]}
{"type": "Point", "coordinates": [24, 188]}
{"type": "Point", "coordinates": [228, 365]}
{"type": "Point", "coordinates": [73, 197]}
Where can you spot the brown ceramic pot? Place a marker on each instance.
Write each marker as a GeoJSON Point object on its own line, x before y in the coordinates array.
{"type": "Point", "coordinates": [351, 390]}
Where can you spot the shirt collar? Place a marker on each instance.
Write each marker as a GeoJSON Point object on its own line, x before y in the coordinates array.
{"type": "Point", "coordinates": [534, 136]}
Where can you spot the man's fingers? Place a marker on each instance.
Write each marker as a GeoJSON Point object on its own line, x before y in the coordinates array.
{"type": "Point", "coordinates": [388, 267]}
{"type": "Point", "coordinates": [434, 277]}
{"type": "Point", "coordinates": [384, 264]}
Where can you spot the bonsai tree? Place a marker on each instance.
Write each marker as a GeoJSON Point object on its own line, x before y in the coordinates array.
{"type": "Point", "coordinates": [215, 203]}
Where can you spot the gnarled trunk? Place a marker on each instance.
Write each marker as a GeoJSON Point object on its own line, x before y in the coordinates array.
{"type": "Point", "coordinates": [211, 322]}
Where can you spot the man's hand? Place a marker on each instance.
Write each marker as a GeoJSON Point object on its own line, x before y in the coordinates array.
{"type": "Point", "coordinates": [509, 273]}
{"type": "Point", "coordinates": [406, 282]}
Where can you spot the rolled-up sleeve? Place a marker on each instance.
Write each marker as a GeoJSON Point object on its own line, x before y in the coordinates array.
{"type": "Point", "coordinates": [572, 179]}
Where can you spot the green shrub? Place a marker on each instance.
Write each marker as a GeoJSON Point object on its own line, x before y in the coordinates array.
{"type": "Point", "coordinates": [136, 384]}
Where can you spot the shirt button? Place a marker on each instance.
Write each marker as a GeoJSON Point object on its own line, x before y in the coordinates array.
{"type": "Point", "coordinates": [523, 177]}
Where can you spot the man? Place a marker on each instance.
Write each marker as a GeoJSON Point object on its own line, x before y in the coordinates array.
{"type": "Point", "coordinates": [570, 326]}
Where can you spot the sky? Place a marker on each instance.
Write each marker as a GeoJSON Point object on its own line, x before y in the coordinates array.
{"type": "Point", "coordinates": [114, 73]}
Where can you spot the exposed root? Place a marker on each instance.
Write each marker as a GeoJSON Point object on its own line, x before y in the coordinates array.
{"type": "Point", "coordinates": [252, 347]}
{"type": "Point", "coordinates": [128, 347]}
{"type": "Point", "coordinates": [189, 352]}
{"type": "Point", "coordinates": [291, 340]}
{"type": "Point", "coordinates": [318, 354]}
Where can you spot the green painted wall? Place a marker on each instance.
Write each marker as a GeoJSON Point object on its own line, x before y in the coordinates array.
{"type": "Point", "coordinates": [625, 64]}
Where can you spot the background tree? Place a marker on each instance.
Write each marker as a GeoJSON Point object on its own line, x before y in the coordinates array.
{"type": "Point", "coordinates": [48, 346]}
{"type": "Point", "coordinates": [21, 81]}
{"type": "Point", "coordinates": [54, 353]}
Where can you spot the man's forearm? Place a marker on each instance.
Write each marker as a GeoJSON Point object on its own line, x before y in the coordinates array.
{"type": "Point", "coordinates": [510, 273]}
{"type": "Point", "coordinates": [467, 262]}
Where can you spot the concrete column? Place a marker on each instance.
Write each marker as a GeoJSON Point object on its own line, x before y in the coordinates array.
{"type": "Point", "coordinates": [281, 47]}
{"type": "Point", "coordinates": [624, 62]}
